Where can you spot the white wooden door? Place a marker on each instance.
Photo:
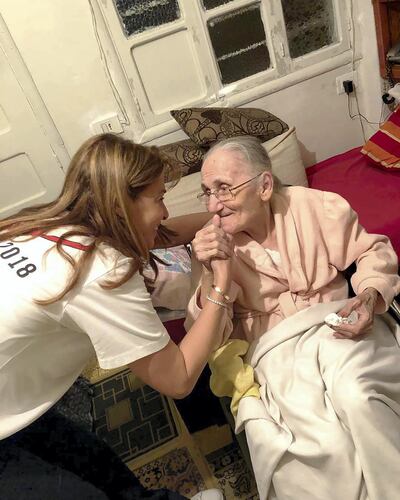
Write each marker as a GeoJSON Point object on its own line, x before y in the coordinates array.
{"type": "Point", "coordinates": [30, 172]}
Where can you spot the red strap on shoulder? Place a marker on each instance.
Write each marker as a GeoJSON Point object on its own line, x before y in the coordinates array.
{"type": "Point", "coordinates": [67, 243]}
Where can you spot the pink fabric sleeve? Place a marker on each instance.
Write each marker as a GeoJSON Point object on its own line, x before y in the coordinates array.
{"type": "Point", "coordinates": [348, 242]}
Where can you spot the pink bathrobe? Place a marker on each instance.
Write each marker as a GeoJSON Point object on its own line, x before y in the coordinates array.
{"type": "Point", "coordinates": [313, 434]}
{"type": "Point", "coordinates": [318, 236]}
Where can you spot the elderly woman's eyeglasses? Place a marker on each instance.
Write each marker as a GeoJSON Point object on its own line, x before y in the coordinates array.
{"type": "Point", "coordinates": [223, 193]}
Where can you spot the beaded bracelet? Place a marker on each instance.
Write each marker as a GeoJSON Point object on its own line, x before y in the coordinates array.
{"type": "Point", "coordinates": [218, 290]}
{"type": "Point", "coordinates": [215, 301]}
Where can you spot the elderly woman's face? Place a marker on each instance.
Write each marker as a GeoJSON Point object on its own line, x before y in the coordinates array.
{"type": "Point", "coordinates": [226, 169]}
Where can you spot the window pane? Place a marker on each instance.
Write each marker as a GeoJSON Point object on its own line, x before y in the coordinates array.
{"type": "Point", "coordinates": [310, 25]}
{"type": "Point", "coordinates": [239, 43]}
{"type": "Point", "coordinates": [140, 15]}
{"type": "Point", "coordinates": [211, 4]}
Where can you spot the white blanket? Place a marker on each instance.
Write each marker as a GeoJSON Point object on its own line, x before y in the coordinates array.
{"type": "Point", "coordinates": [327, 426]}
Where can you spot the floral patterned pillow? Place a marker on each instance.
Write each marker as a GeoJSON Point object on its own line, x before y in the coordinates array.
{"type": "Point", "coordinates": [184, 155]}
{"type": "Point", "coordinates": [206, 125]}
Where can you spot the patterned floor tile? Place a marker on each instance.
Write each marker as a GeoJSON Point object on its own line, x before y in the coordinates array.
{"type": "Point", "coordinates": [133, 420]}
{"type": "Point", "coordinates": [232, 473]}
{"type": "Point", "coordinates": [176, 471]}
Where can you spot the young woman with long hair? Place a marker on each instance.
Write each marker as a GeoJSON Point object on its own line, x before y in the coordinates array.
{"type": "Point", "coordinates": [72, 286]}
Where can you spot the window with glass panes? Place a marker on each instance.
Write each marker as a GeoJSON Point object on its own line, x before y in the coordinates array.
{"type": "Point", "coordinates": [192, 52]}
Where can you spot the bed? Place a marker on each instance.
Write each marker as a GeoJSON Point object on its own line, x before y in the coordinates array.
{"type": "Point", "coordinates": [372, 192]}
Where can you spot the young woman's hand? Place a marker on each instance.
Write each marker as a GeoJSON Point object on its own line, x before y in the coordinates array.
{"type": "Point", "coordinates": [211, 243]}
{"type": "Point", "coordinates": [222, 271]}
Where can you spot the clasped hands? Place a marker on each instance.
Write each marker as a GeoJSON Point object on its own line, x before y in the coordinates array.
{"type": "Point", "coordinates": [212, 245]}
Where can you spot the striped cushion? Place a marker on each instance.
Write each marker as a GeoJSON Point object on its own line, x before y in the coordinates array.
{"type": "Point", "coordinates": [383, 148]}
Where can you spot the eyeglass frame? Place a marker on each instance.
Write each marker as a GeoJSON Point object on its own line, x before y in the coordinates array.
{"type": "Point", "coordinates": [205, 196]}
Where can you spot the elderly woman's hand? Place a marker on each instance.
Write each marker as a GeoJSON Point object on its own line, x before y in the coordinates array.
{"type": "Point", "coordinates": [212, 243]}
{"type": "Point", "coordinates": [364, 305]}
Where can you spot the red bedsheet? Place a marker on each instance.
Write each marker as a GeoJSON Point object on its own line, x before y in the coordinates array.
{"type": "Point", "coordinates": [372, 192]}
{"type": "Point", "coordinates": [175, 329]}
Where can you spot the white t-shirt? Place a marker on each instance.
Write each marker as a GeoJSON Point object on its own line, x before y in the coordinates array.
{"type": "Point", "coordinates": [43, 349]}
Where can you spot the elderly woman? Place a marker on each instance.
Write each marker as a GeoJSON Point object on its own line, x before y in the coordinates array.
{"type": "Point", "coordinates": [326, 421]}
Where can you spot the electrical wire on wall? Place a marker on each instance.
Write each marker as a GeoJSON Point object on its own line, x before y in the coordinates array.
{"type": "Point", "coordinates": [358, 115]}
{"type": "Point", "coordinates": [107, 71]}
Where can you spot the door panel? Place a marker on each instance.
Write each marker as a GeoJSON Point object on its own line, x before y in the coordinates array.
{"type": "Point", "coordinates": [30, 172]}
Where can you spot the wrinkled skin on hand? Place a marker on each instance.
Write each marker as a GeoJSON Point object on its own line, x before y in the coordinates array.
{"type": "Point", "coordinates": [364, 304]}
{"type": "Point", "coordinates": [211, 244]}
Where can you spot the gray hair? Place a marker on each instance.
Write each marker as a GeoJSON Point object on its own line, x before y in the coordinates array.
{"type": "Point", "coordinates": [251, 151]}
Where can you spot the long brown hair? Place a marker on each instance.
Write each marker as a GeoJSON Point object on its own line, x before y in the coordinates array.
{"type": "Point", "coordinates": [103, 174]}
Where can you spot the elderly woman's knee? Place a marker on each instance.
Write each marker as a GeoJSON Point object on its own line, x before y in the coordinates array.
{"type": "Point", "coordinates": [350, 396]}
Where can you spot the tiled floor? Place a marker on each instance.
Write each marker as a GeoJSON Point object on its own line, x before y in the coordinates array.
{"type": "Point", "coordinates": [148, 433]}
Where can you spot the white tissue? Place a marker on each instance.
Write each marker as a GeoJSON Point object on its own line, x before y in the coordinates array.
{"type": "Point", "coordinates": [395, 91]}
{"type": "Point", "coordinates": [334, 320]}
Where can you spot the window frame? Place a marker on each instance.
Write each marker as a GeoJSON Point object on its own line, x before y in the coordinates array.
{"type": "Point", "coordinates": [284, 70]}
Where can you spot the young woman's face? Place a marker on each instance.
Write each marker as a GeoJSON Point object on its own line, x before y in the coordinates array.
{"type": "Point", "coordinates": [148, 210]}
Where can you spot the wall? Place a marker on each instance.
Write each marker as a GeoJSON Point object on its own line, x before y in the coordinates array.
{"type": "Point", "coordinates": [370, 83]}
{"type": "Point", "coordinates": [57, 42]}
